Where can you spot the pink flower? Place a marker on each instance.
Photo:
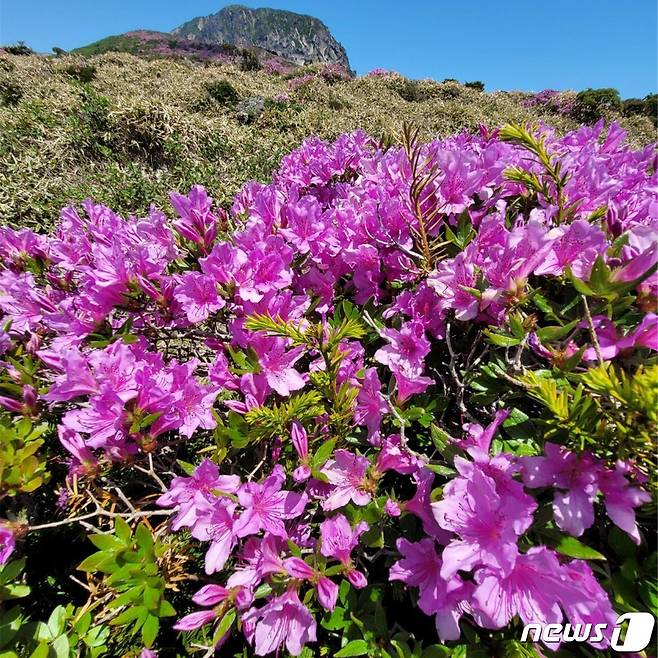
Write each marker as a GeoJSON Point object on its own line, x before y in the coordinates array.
{"type": "Point", "coordinates": [277, 366]}
{"type": "Point", "coordinates": [209, 596]}
{"type": "Point", "coordinates": [282, 621]}
{"type": "Point", "coordinates": [327, 592]}
{"type": "Point", "coordinates": [420, 567]}
{"type": "Point", "coordinates": [420, 506]}
{"type": "Point", "coordinates": [76, 380]}
{"type": "Point", "coordinates": [339, 539]}
{"type": "Point", "coordinates": [533, 588]}
{"type": "Point", "coordinates": [586, 601]}
{"type": "Point", "coordinates": [392, 508]}
{"type": "Point", "coordinates": [487, 524]}
{"type": "Point", "coordinates": [407, 348]}
{"type": "Point", "coordinates": [196, 222]}
{"type": "Point", "coordinates": [198, 297]}
{"type": "Point", "coordinates": [396, 457]}
{"type": "Point", "coordinates": [577, 478]}
{"type": "Point", "coordinates": [621, 499]}
{"type": "Point", "coordinates": [371, 404]}
{"type": "Point", "coordinates": [299, 440]}
{"type": "Point", "coordinates": [537, 589]}
{"type": "Point", "coordinates": [216, 525]}
{"type": "Point", "coordinates": [7, 543]}
{"type": "Point", "coordinates": [266, 506]}
{"type": "Point", "coordinates": [346, 472]}
{"type": "Point", "coordinates": [194, 495]}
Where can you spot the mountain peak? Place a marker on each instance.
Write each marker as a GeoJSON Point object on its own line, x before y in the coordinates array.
{"type": "Point", "coordinates": [296, 37]}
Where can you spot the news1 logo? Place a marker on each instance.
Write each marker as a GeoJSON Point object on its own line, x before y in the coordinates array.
{"type": "Point", "coordinates": [637, 637]}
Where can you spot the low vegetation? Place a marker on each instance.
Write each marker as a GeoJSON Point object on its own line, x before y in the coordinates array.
{"type": "Point", "coordinates": [126, 130]}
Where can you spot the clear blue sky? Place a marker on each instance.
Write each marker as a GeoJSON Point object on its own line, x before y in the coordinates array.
{"type": "Point", "coordinates": [509, 44]}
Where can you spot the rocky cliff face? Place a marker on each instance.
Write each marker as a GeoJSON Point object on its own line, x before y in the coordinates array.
{"type": "Point", "coordinates": [298, 38]}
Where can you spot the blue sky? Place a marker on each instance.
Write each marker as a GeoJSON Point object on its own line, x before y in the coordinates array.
{"type": "Point", "coordinates": [510, 44]}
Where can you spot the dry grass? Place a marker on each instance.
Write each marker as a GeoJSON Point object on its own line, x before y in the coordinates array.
{"type": "Point", "coordinates": [141, 128]}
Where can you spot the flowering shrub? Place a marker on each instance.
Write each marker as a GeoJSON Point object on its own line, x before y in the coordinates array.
{"type": "Point", "coordinates": [420, 377]}
{"type": "Point", "coordinates": [379, 73]}
{"type": "Point", "coordinates": [301, 81]}
{"type": "Point", "coordinates": [559, 102]}
{"type": "Point", "coordinates": [275, 67]}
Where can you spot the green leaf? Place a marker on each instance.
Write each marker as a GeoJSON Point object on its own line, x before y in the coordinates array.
{"type": "Point", "coordinates": [144, 537]}
{"type": "Point", "coordinates": [97, 562]}
{"type": "Point", "coordinates": [353, 648]}
{"type": "Point", "coordinates": [225, 625]}
{"type": "Point", "coordinates": [41, 651]}
{"type": "Point", "coordinates": [501, 339]}
{"type": "Point", "coordinates": [323, 453]}
{"type": "Point", "coordinates": [128, 615]}
{"type": "Point", "coordinates": [439, 469]}
{"type": "Point", "coordinates": [122, 530]}
{"type": "Point", "coordinates": [11, 570]}
{"type": "Point", "coordinates": [61, 647]}
{"type": "Point", "coordinates": [56, 621]}
{"type": "Point", "coordinates": [547, 334]}
{"type": "Point", "coordinates": [188, 468]}
{"type": "Point", "coordinates": [150, 630]}
{"type": "Point", "coordinates": [107, 542]}
{"type": "Point", "coordinates": [166, 609]}
{"type": "Point", "coordinates": [574, 548]}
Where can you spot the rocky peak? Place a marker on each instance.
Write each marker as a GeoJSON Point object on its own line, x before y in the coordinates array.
{"type": "Point", "coordinates": [298, 38]}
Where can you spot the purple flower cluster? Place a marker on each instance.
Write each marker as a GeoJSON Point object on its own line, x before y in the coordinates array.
{"type": "Point", "coordinates": [92, 303]}
{"type": "Point", "coordinates": [552, 100]}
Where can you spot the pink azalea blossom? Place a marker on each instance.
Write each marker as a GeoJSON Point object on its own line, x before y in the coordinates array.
{"type": "Point", "coordinates": [7, 543]}
{"type": "Point", "coordinates": [576, 478]}
{"type": "Point", "coordinates": [282, 621]}
{"type": "Point", "coordinates": [371, 404]}
{"type": "Point", "coordinates": [193, 495]}
{"type": "Point", "coordinates": [487, 524]}
{"type": "Point", "coordinates": [267, 506]}
{"type": "Point", "coordinates": [621, 499]}
{"type": "Point", "coordinates": [197, 295]}
{"type": "Point", "coordinates": [346, 473]}
{"type": "Point", "coordinates": [420, 567]}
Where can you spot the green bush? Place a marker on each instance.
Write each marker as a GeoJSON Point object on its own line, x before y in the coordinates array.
{"type": "Point", "coordinates": [476, 84]}
{"type": "Point", "coordinates": [249, 61]}
{"type": "Point", "coordinates": [223, 92]}
{"type": "Point", "coordinates": [90, 121]}
{"type": "Point", "coordinates": [594, 104]}
{"type": "Point", "coordinates": [10, 93]}
{"type": "Point", "coordinates": [81, 71]}
{"type": "Point", "coordinates": [410, 90]}
{"type": "Point", "coordinates": [19, 48]}
{"type": "Point", "coordinates": [651, 107]}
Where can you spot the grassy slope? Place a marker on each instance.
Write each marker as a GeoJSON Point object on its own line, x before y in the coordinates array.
{"type": "Point", "coordinates": [143, 128]}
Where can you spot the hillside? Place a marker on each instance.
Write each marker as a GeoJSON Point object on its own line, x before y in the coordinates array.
{"type": "Point", "coordinates": [126, 130]}
{"type": "Point", "coordinates": [152, 44]}
{"type": "Point", "coordinates": [296, 37]}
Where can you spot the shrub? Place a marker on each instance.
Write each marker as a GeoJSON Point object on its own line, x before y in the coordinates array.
{"type": "Point", "coordinates": [19, 48]}
{"type": "Point", "coordinates": [633, 106]}
{"type": "Point", "coordinates": [10, 93]}
{"type": "Point", "coordinates": [81, 71]}
{"type": "Point", "coordinates": [339, 415]}
{"type": "Point", "coordinates": [411, 91]}
{"type": "Point", "coordinates": [223, 92]}
{"type": "Point", "coordinates": [594, 104]}
{"type": "Point", "coordinates": [249, 60]}
{"type": "Point", "coordinates": [651, 107]}
{"type": "Point", "coordinates": [477, 85]}
{"type": "Point", "coordinates": [91, 122]}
